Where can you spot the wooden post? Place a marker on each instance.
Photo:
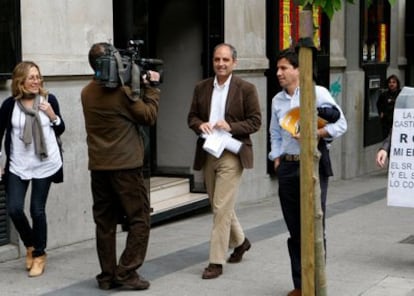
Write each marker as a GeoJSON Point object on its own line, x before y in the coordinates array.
{"type": "Point", "coordinates": [307, 148]}
{"type": "Point", "coordinates": [312, 232]}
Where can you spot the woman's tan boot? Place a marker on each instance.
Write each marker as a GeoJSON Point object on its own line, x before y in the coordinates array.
{"type": "Point", "coordinates": [38, 266]}
{"type": "Point", "coordinates": [29, 257]}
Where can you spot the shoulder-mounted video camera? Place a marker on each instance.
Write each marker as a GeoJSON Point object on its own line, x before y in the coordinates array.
{"type": "Point", "coordinates": [120, 67]}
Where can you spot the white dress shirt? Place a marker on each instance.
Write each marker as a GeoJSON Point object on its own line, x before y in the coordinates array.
{"type": "Point", "coordinates": [281, 141]}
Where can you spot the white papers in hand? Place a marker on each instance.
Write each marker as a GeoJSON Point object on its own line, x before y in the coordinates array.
{"type": "Point", "coordinates": [219, 140]}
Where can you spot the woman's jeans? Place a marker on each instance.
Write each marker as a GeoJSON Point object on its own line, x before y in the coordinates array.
{"type": "Point", "coordinates": [36, 235]}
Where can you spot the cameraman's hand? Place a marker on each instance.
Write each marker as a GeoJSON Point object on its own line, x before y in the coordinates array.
{"type": "Point", "coordinates": [151, 76]}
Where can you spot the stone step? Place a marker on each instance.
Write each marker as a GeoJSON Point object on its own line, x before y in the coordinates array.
{"type": "Point", "coordinates": [177, 202]}
{"type": "Point", "coordinates": [171, 197]}
{"type": "Point", "coordinates": [164, 188]}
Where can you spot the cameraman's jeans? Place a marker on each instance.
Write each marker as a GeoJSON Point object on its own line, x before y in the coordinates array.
{"type": "Point", "coordinates": [35, 235]}
{"type": "Point", "coordinates": [115, 193]}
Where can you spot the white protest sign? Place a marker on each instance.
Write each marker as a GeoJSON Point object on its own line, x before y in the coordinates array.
{"type": "Point", "coordinates": [401, 159]}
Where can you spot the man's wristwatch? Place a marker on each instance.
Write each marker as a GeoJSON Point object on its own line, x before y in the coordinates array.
{"type": "Point", "coordinates": [56, 121]}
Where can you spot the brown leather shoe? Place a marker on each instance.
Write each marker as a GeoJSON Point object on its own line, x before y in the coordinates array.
{"type": "Point", "coordinates": [239, 251]}
{"type": "Point", "coordinates": [132, 281]}
{"type": "Point", "coordinates": [106, 282]}
{"type": "Point", "coordinates": [108, 285]}
{"type": "Point", "coordinates": [212, 271]}
{"type": "Point", "coordinates": [295, 292]}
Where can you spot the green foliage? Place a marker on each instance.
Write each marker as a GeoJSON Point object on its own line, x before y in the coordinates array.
{"type": "Point", "coordinates": [328, 6]}
{"type": "Point", "coordinates": [331, 6]}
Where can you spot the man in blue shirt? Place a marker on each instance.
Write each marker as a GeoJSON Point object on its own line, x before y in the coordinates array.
{"type": "Point", "coordinates": [285, 150]}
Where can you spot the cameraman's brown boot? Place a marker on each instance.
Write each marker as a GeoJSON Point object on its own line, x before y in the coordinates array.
{"type": "Point", "coordinates": [29, 257]}
{"type": "Point", "coordinates": [38, 266]}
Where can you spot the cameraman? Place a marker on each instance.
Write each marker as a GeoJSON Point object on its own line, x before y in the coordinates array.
{"type": "Point", "coordinates": [116, 155]}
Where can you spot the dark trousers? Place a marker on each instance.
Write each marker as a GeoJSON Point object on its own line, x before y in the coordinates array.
{"type": "Point", "coordinates": [289, 194]}
{"type": "Point", "coordinates": [35, 235]}
{"type": "Point", "coordinates": [116, 193]}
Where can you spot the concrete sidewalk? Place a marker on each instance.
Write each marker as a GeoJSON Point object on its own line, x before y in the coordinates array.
{"type": "Point", "coordinates": [370, 253]}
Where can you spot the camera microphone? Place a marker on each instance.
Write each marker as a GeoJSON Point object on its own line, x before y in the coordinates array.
{"type": "Point", "coordinates": [152, 61]}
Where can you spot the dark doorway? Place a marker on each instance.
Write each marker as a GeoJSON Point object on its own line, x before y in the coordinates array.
{"type": "Point", "coordinates": [374, 55]}
{"type": "Point", "coordinates": [182, 33]}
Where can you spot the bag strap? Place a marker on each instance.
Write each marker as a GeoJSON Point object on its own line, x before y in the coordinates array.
{"type": "Point", "coordinates": [132, 91]}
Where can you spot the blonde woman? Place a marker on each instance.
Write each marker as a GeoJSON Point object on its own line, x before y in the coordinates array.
{"type": "Point", "coordinates": [30, 123]}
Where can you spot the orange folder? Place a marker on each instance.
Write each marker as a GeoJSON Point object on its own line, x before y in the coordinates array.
{"type": "Point", "coordinates": [290, 121]}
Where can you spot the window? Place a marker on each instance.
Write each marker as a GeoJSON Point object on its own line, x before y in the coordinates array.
{"type": "Point", "coordinates": [375, 32]}
{"type": "Point", "coordinates": [10, 50]}
{"type": "Point", "coordinates": [289, 24]}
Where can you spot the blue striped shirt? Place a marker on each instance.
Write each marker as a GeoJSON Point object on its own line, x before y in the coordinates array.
{"type": "Point", "coordinates": [281, 141]}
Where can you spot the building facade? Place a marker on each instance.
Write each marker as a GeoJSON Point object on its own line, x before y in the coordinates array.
{"type": "Point", "coordinates": [58, 34]}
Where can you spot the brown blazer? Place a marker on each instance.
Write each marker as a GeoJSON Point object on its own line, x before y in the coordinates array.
{"type": "Point", "coordinates": [242, 114]}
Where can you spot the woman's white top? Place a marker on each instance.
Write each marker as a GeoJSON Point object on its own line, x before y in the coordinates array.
{"type": "Point", "coordinates": [23, 160]}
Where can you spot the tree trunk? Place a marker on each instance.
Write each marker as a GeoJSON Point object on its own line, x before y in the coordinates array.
{"type": "Point", "coordinates": [312, 246]}
{"type": "Point", "coordinates": [307, 178]}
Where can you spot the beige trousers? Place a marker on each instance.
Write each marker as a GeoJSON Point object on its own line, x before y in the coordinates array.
{"type": "Point", "coordinates": [222, 178]}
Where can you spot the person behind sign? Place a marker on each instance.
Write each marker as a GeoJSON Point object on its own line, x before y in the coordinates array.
{"type": "Point", "coordinates": [31, 122]}
{"type": "Point", "coordinates": [116, 157]}
{"type": "Point", "coordinates": [228, 103]}
{"type": "Point", "coordinates": [285, 150]}
{"type": "Point", "coordinates": [386, 103]}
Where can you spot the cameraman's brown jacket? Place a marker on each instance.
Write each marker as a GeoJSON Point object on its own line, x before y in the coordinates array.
{"type": "Point", "coordinates": [112, 121]}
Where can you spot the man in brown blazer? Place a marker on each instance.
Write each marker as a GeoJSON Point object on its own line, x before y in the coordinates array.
{"type": "Point", "coordinates": [230, 104]}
